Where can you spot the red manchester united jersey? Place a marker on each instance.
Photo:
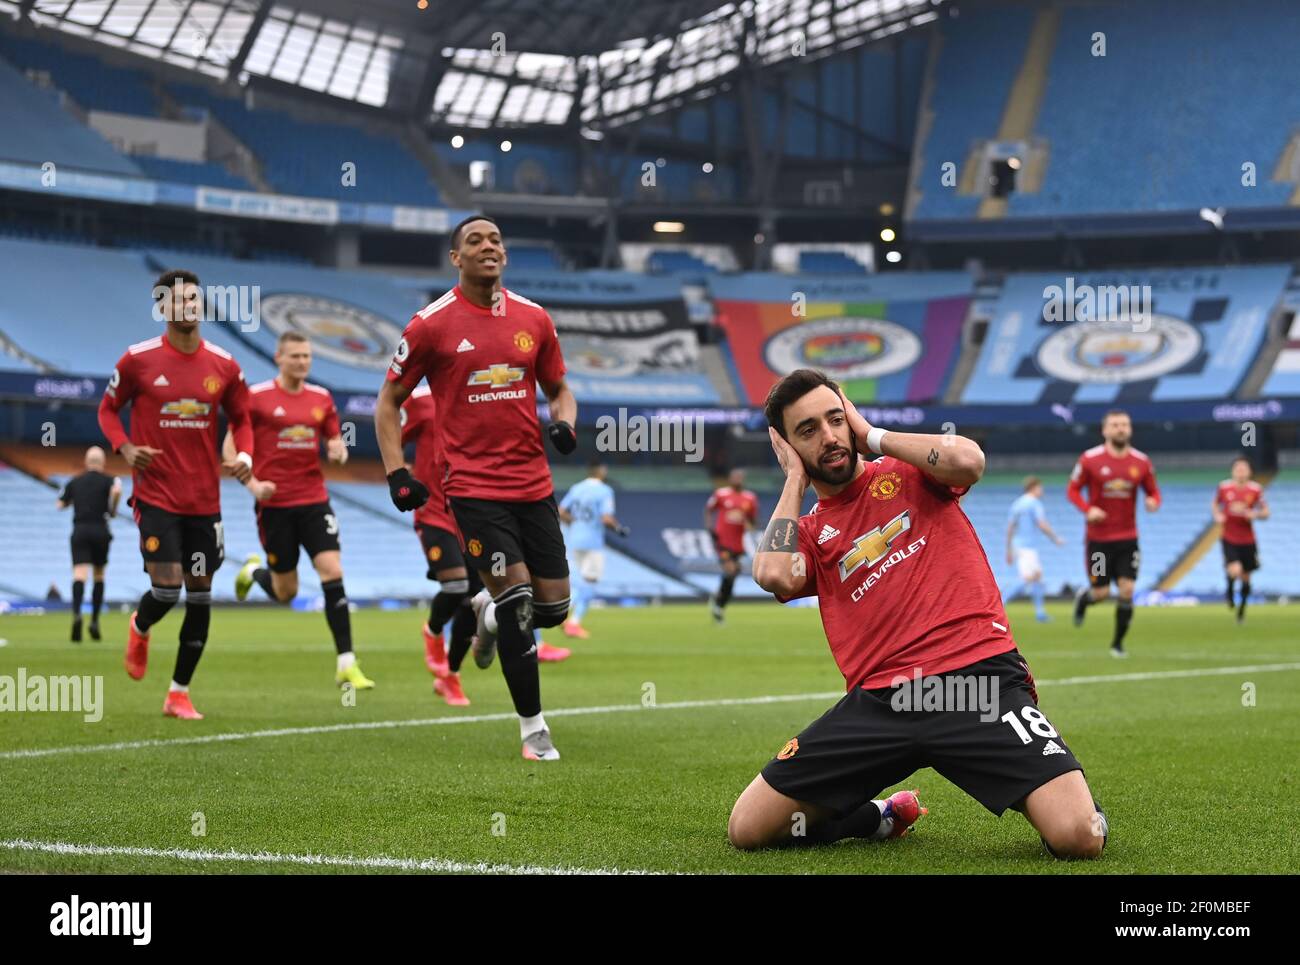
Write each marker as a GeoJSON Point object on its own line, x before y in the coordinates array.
{"type": "Point", "coordinates": [483, 366]}
{"type": "Point", "coordinates": [1237, 501]}
{"type": "Point", "coordinates": [734, 507]}
{"type": "Point", "coordinates": [419, 426]}
{"type": "Point", "coordinates": [900, 577]}
{"type": "Point", "coordinates": [1112, 483]}
{"type": "Point", "coordinates": [288, 429]}
{"type": "Point", "coordinates": [174, 399]}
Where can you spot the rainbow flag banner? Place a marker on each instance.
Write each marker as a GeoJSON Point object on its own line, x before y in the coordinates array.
{"type": "Point", "coordinates": [887, 338]}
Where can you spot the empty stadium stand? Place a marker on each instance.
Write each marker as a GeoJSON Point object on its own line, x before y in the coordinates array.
{"type": "Point", "coordinates": [307, 157]}
{"type": "Point", "coordinates": [37, 128]}
{"type": "Point", "coordinates": [191, 172]}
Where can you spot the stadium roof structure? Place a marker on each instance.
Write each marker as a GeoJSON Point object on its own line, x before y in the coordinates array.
{"type": "Point", "coordinates": [591, 64]}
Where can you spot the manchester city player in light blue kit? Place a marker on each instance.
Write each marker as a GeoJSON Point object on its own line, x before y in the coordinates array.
{"type": "Point", "coordinates": [588, 508]}
{"type": "Point", "coordinates": [1026, 521]}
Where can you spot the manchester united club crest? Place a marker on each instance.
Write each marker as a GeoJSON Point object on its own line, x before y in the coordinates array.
{"type": "Point", "coordinates": [435, 553]}
{"type": "Point", "coordinates": [524, 341]}
{"type": "Point", "coordinates": [886, 486]}
{"type": "Point", "coordinates": [318, 413]}
{"type": "Point", "coordinates": [212, 384]}
{"type": "Point", "coordinates": [789, 750]}
{"type": "Point", "coordinates": [1133, 471]}
{"type": "Point", "coordinates": [475, 548]}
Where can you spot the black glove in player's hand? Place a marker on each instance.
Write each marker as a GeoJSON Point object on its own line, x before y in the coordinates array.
{"type": "Point", "coordinates": [563, 438]}
{"type": "Point", "coordinates": [407, 491]}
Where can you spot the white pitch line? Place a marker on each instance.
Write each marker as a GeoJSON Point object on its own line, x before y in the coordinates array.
{"type": "Point", "coordinates": [417, 722]}
{"type": "Point", "coordinates": [442, 865]}
{"type": "Point", "coordinates": [579, 711]}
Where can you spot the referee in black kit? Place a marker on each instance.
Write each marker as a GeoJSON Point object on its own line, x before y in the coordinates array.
{"type": "Point", "coordinates": [93, 495]}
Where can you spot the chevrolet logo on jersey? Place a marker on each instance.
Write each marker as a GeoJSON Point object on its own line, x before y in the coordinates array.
{"type": "Point", "coordinates": [187, 408]}
{"type": "Point", "coordinates": [496, 375]}
{"type": "Point", "coordinates": [870, 548]}
{"type": "Point", "coordinates": [297, 433]}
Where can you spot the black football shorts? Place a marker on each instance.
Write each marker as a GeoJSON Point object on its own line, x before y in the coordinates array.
{"type": "Point", "coordinates": [198, 543]}
{"type": "Point", "coordinates": [90, 545]}
{"type": "Point", "coordinates": [1243, 553]}
{"type": "Point", "coordinates": [282, 529]}
{"type": "Point", "coordinates": [1112, 560]}
{"type": "Point", "coordinates": [996, 751]}
{"type": "Point", "coordinates": [501, 533]}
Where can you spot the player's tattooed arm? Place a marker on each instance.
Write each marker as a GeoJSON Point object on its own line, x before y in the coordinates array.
{"type": "Point", "coordinates": [779, 566]}
{"type": "Point", "coordinates": [782, 536]}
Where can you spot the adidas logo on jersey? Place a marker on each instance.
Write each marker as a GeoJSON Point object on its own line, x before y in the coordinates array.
{"type": "Point", "coordinates": [161, 381]}
{"type": "Point", "coordinates": [1051, 747]}
{"type": "Point", "coordinates": [465, 346]}
{"type": "Point", "coordinates": [279, 410]}
{"type": "Point", "coordinates": [828, 532]}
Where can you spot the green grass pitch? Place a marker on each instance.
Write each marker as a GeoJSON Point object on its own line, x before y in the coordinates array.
{"type": "Point", "coordinates": [1191, 778]}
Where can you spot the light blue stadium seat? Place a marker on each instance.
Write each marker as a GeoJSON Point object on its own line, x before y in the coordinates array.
{"type": "Point", "coordinates": [91, 82]}
{"type": "Point", "coordinates": [35, 129]}
{"type": "Point", "coordinates": [192, 172]}
{"type": "Point", "coordinates": [306, 158]}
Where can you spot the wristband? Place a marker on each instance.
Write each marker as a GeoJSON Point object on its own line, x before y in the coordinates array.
{"type": "Point", "coordinates": [874, 437]}
{"type": "Point", "coordinates": [245, 458]}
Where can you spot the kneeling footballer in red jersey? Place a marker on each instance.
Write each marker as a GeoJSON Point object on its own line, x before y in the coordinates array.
{"type": "Point", "coordinates": [915, 622]}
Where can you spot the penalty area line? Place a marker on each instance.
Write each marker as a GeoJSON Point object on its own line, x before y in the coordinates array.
{"type": "Point", "coordinates": [439, 865]}
{"type": "Point", "coordinates": [582, 711]}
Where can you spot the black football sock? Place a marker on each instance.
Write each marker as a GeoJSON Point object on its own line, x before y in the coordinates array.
{"type": "Point", "coordinates": [78, 594]}
{"type": "Point", "coordinates": [1083, 600]}
{"type": "Point", "coordinates": [1123, 617]}
{"type": "Point", "coordinates": [517, 649]}
{"type": "Point", "coordinates": [1231, 584]}
{"type": "Point", "coordinates": [444, 605]}
{"type": "Point", "coordinates": [463, 625]}
{"type": "Point", "coordinates": [724, 590]}
{"type": "Point", "coordinates": [153, 606]}
{"type": "Point", "coordinates": [1245, 595]}
{"type": "Point", "coordinates": [96, 600]}
{"type": "Point", "coordinates": [337, 615]}
{"type": "Point", "coordinates": [262, 577]}
{"type": "Point", "coordinates": [862, 823]}
{"type": "Point", "coordinates": [194, 635]}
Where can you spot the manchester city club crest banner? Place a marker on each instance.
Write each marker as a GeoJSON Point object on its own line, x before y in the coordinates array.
{"type": "Point", "coordinates": [1153, 335]}
{"type": "Point", "coordinates": [888, 338]}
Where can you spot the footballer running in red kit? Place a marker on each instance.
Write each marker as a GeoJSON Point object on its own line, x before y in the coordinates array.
{"type": "Point", "coordinates": [291, 417]}
{"type": "Point", "coordinates": [1238, 502]}
{"type": "Point", "coordinates": [730, 513]}
{"type": "Point", "coordinates": [443, 548]}
{"type": "Point", "coordinates": [1112, 474]}
{"type": "Point", "coordinates": [484, 350]}
{"type": "Point", "coordinates": [908, 603]}
{"type": "Point", "coordinates": [174, 384]}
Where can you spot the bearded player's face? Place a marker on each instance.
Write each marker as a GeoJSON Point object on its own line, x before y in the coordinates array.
{"type": "Point", "coordinates": [1118, 430]}
{"type": "Point", "coordinates": [818, 429]}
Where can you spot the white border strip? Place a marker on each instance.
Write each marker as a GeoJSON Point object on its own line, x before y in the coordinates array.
{"type": "Point", "coordinates": [441, 865]}
{"type": "Point", "coordinates": [579, 711]}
